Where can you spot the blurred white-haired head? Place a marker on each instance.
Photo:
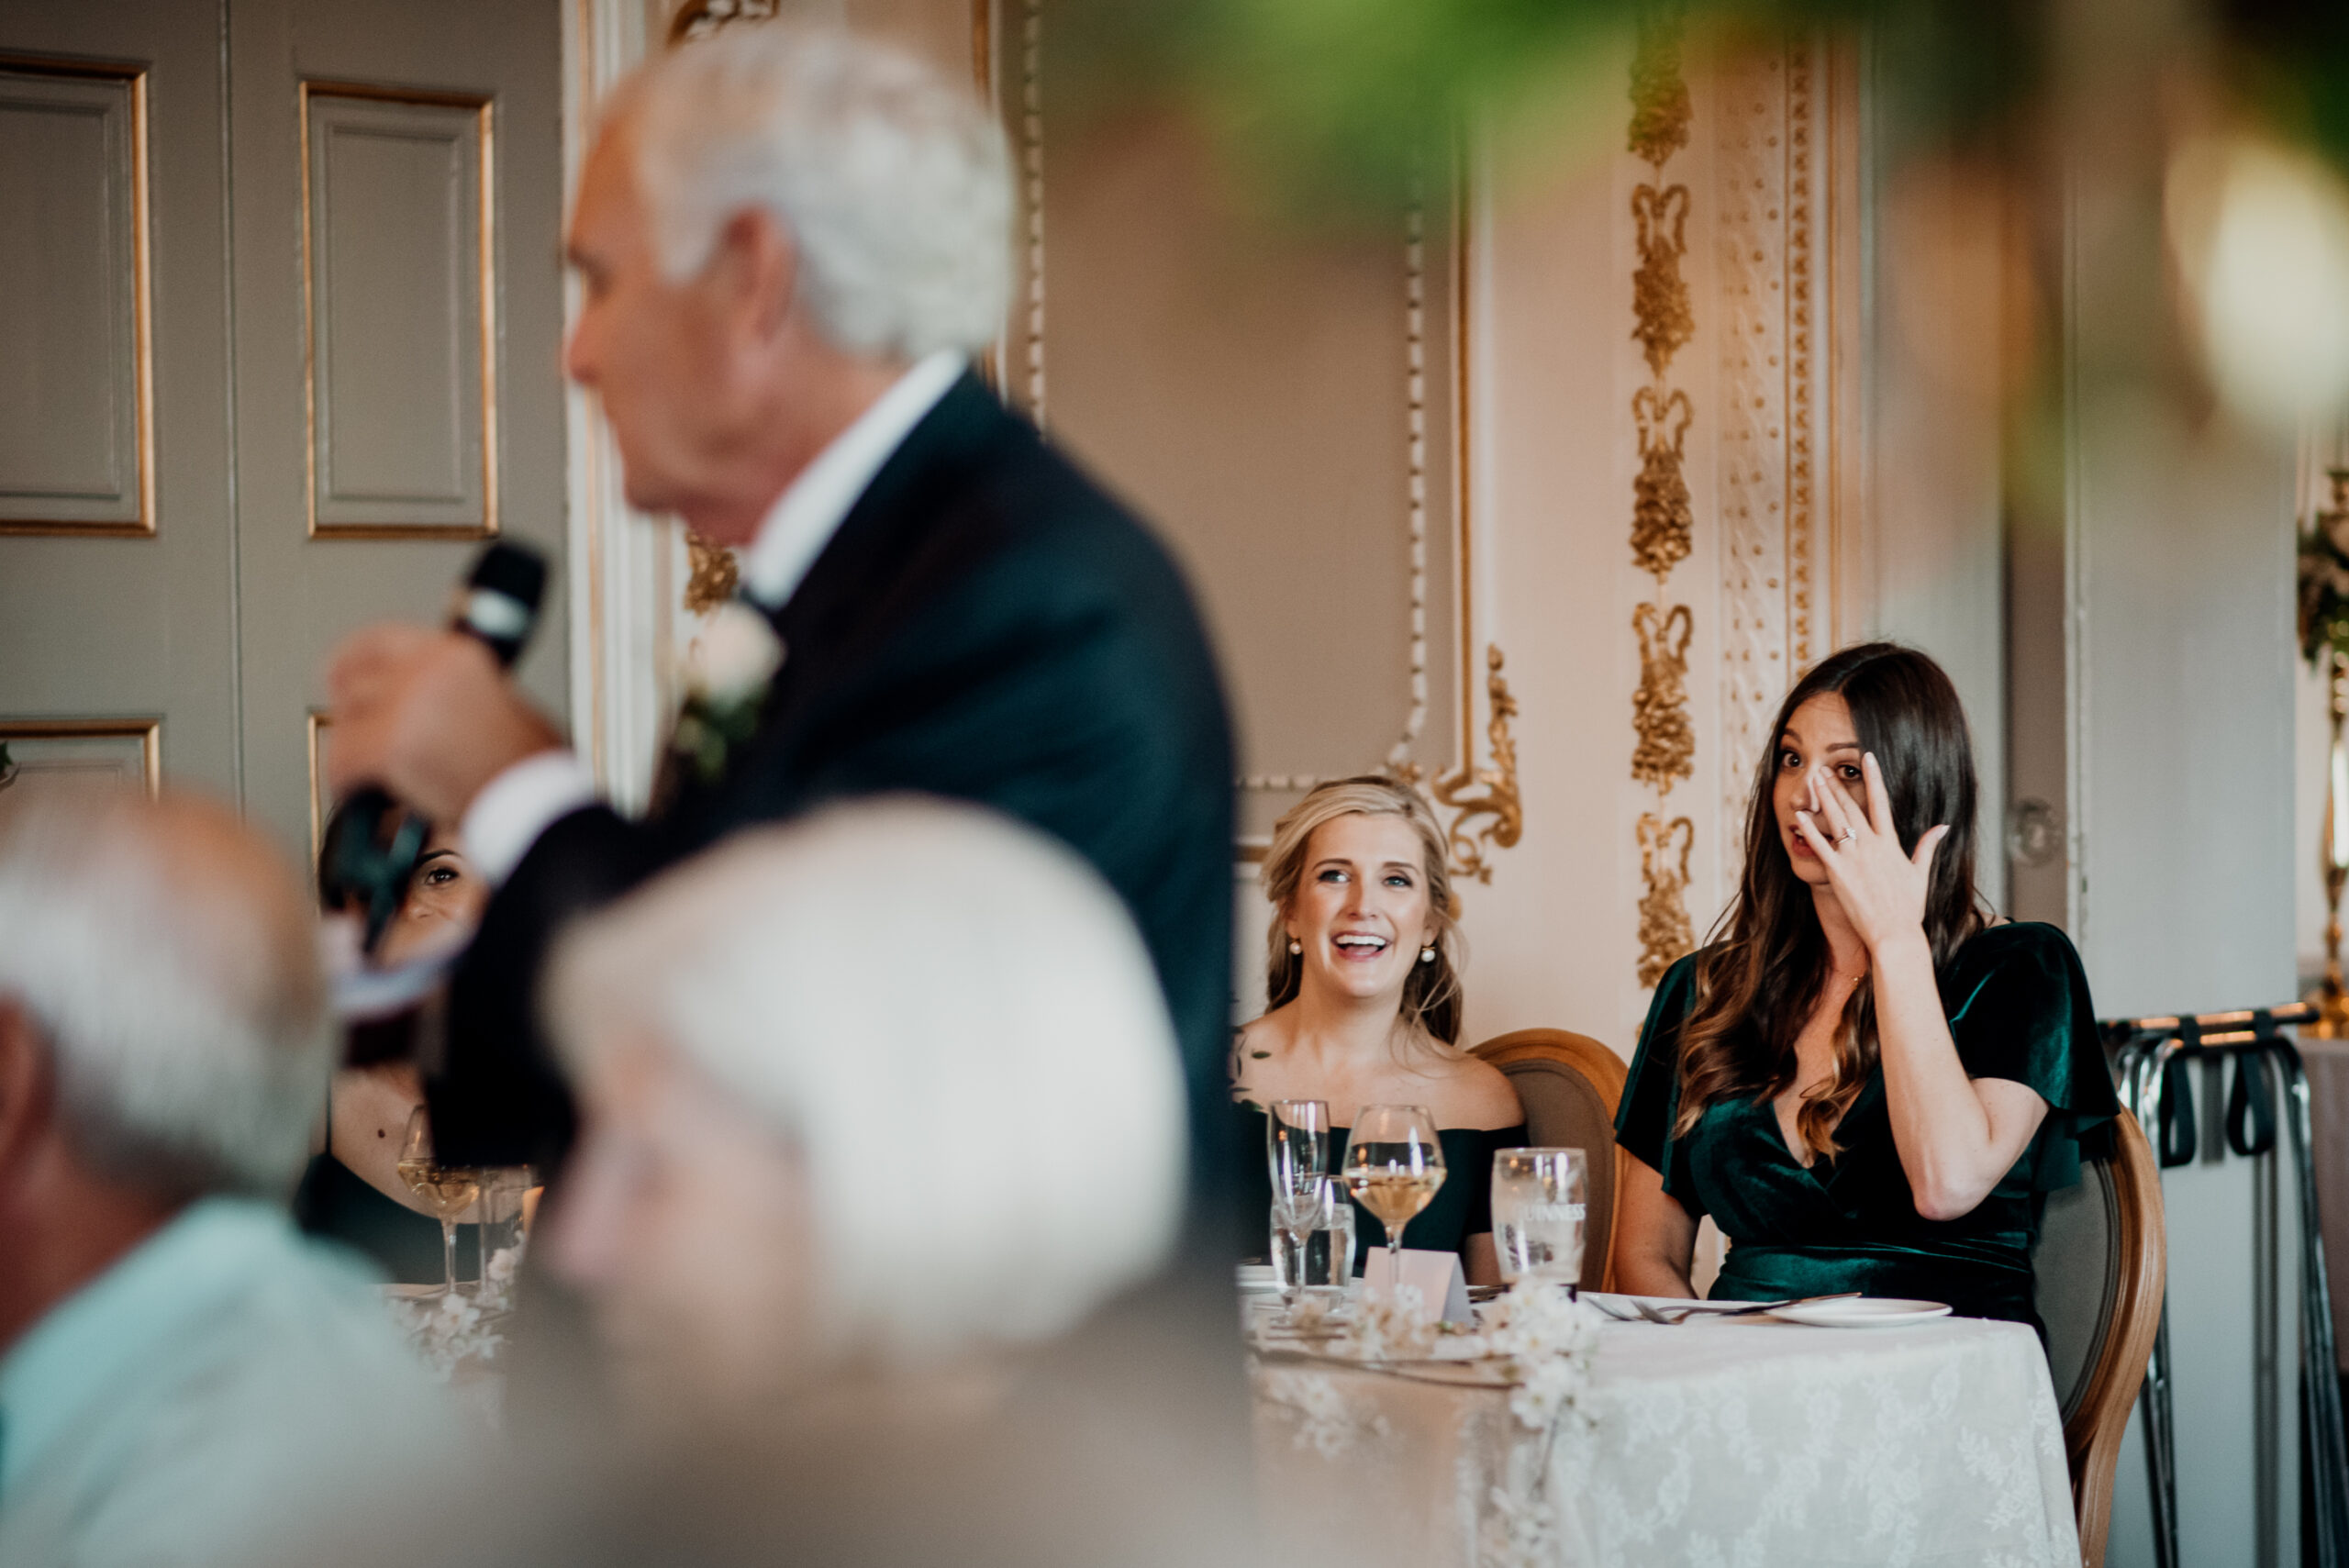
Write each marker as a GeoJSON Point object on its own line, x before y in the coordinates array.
{"type": "Point", "coordinates": [164, 953]}
{"type": "Point", "coordinates": [894, 183]}
{"type": "Point", "coordinates": [877, 1089]}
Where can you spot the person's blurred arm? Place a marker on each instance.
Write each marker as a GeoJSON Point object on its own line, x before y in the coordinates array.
{"type": "Point", "coordinates": [1656, 1237]}
{"type": "Point", "coordinates": [510, 813]}
{"type": "Point", "coordinates": [430, 717]}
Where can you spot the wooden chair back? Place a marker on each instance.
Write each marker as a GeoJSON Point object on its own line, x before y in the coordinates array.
{"type": "Point", "coordinates": [2099, 1270]}
{"type": "Point", "coordinates": [1570, 1085]}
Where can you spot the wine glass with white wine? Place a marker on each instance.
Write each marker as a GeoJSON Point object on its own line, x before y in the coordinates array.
{"type": "Point", "coordinates": [1394, 1165]}
{"type": "Point", "coordinates": [447, 1191]}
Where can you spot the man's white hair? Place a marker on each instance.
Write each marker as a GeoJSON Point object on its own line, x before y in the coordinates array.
{"type": "Point", "coordinates": [894, 184]}
{"type": "Point", "coordinates": [165, 955]}
{"type": "Point", "coordinates": [952, 1022]}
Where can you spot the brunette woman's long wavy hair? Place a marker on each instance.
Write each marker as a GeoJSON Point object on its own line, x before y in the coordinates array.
{"type": "Point", "coordinates": [1759, 978]}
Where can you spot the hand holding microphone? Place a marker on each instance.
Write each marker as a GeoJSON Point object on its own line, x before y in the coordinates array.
{"type": "Point", "coordinates": [429, 717]}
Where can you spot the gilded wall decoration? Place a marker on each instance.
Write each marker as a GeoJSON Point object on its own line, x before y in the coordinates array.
{"type": "Point", "coordinates": [1662, 519]}
{"type": "Point", "coordinates": [1663, 319]}
{"type": "Point", "coordinates": [1666, 932]}
{"type": "Point", "coordinates": [1663, 515]}
{"type": "Point", "coordinates": [716, 573]}
{"type": "Point", "coordinates": [1399, 761]}
{"type": "Point", "coordinates": [1666, 747]}
{"type": "Point", "coordinates": [1660, 106]}
{"type": "Point", "coordinates": [1475, 794]}
{"type": "Point", "coordinates": [1775, 369]}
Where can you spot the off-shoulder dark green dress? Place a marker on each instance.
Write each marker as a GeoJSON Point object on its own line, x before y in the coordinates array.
{"type": "Point", "coordinates": [1462, 1208]}
{"type": "Point", "coordinates": [2018, 1009]}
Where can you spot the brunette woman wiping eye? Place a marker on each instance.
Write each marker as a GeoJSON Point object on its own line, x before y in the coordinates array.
{"type": "Point", "coordinates": [1866, 1079]}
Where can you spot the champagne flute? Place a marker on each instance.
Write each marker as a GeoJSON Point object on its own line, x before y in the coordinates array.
{"type": "Point", "coordinates": [1296, 1150]}
{"type": "Point", "coordinates": [1394, 1165]}
{"type": "Point", "coordinates": [448, 1191]}
{"type": "Point", "coordinates": [1297, 1143]}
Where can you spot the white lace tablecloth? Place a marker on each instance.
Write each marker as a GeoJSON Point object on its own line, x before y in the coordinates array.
{"type": "Point", "coordinates": [1722, 1445]}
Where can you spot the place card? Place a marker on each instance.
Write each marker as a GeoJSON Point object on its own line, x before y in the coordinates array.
{"type": "Point", "coordinates": [1443, 1287]}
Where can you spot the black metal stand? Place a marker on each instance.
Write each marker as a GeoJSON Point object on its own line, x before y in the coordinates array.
{"type": "Point", "coordinates": [2152, 1061]}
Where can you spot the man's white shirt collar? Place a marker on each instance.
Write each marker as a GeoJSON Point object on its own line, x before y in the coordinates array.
{"type": "Point", "coordinates": [811, 511]}
{"type": "Point", "coordinates": [510, 812]}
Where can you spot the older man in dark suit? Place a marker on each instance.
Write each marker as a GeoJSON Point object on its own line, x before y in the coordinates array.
{"type": "Point", "coordinates": [793, 242]}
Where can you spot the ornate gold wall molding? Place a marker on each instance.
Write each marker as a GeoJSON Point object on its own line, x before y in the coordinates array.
{"type": "Point", "coordinates": [1771, 229]}
{"type": "Point", "coordinates": [1475, 794]}
{"type": "Point", "coordinates": [1474, 789]}
{"type": "Point", "coordinates": [1663, 320]}
{"type": "Point", "coordinates": [1400, 761]}
{"type": "Point", "coordinates": [1663, 515]}
{"type": "Point", "coordinates": [1659, 106]}
{"type": "Point", "coordinates": [1666, 932]}
{"type": "Point", "coordinates": [716, 573]}
{"type": "Point", "coordinates": [1667, 747]}
{"type": "Point", "coordinates": [1663, 520]}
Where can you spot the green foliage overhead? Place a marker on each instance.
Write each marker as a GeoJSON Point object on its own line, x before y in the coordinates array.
{"type": "Point", "coordinates": [1343, 101]}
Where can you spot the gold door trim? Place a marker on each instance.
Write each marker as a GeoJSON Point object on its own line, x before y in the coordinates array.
{"type": "Point", "coordinates": [148, 732]}
{"type": "Point", "coordinates": [142, 351]}
{"type": "Point", "coordinates": [485, 283]}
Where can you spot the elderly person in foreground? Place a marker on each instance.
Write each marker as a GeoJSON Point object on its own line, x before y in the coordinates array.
{"type": "Point", "coordinates": [179, 1372]}
{"type": "Point", "coordinates": [883, 1119]}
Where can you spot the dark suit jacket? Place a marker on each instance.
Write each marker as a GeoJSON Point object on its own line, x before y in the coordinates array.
{"type": "Point", "coordinates": [987, 625]}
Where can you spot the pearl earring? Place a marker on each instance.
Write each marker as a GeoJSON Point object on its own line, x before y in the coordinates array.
{"type": "Point", "coordinates": [1295, 946]}
{"type": "Point", "coordinates": [1427, 954]}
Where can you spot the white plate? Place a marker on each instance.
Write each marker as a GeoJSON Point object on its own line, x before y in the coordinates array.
{"type": "Point", "coordinates": [1255, 1277]}
{"type": "Point", "coordinates": [1864, 1312]}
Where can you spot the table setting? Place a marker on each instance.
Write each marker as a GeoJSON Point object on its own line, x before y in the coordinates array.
{"type": "Point", "coordinates": [458, 1327]}
{"type": "Point", "coordinates": [1396, 1422]}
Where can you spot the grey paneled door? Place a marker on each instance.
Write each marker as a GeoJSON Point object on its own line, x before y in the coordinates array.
{"type": "Point", "coordinates": [279, 333]}
{"type": "Point", "coordinates": [399, 319]}
{"type": "Point", "coordinates": [116, 530]}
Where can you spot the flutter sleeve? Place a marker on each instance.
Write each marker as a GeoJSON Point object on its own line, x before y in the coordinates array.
{"type": "Point", "coordinates": [2019, 1009]}
{"type": "Point", "coordinates": [1652, 1093]}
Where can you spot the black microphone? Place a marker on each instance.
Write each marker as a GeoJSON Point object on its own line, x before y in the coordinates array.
{"type": "Point", "coordinates": [377, 844]}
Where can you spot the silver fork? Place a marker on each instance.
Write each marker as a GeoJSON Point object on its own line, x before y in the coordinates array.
{"type": "Point", "coordinates": [1682, 1314]}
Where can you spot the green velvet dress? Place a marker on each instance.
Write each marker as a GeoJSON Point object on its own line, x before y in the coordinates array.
{"type": "Point", "coordinates": [2018, 1009]}
{"type": "Point", "coordinates": [1462, 1208]}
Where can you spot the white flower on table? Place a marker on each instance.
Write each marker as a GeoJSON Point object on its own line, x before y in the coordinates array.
{"type": "Point", "coordinates": [446, 1330]}
{"type": "Point", "coordinates": [1325, 1421]}
{"type": "Point", "coordinates": [1389, 1327]}
{"type": "Point", "coordinates": [497, 1278]}
{"type": "Point", "coordinates": [1552, 1336]}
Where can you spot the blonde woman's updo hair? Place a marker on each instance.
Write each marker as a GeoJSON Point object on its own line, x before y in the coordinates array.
{"type": "Point", "coordinates": [1430, 1007]}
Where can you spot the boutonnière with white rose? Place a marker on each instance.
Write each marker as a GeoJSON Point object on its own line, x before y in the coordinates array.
{"type": "Point", "coordinates": [729, 670]}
